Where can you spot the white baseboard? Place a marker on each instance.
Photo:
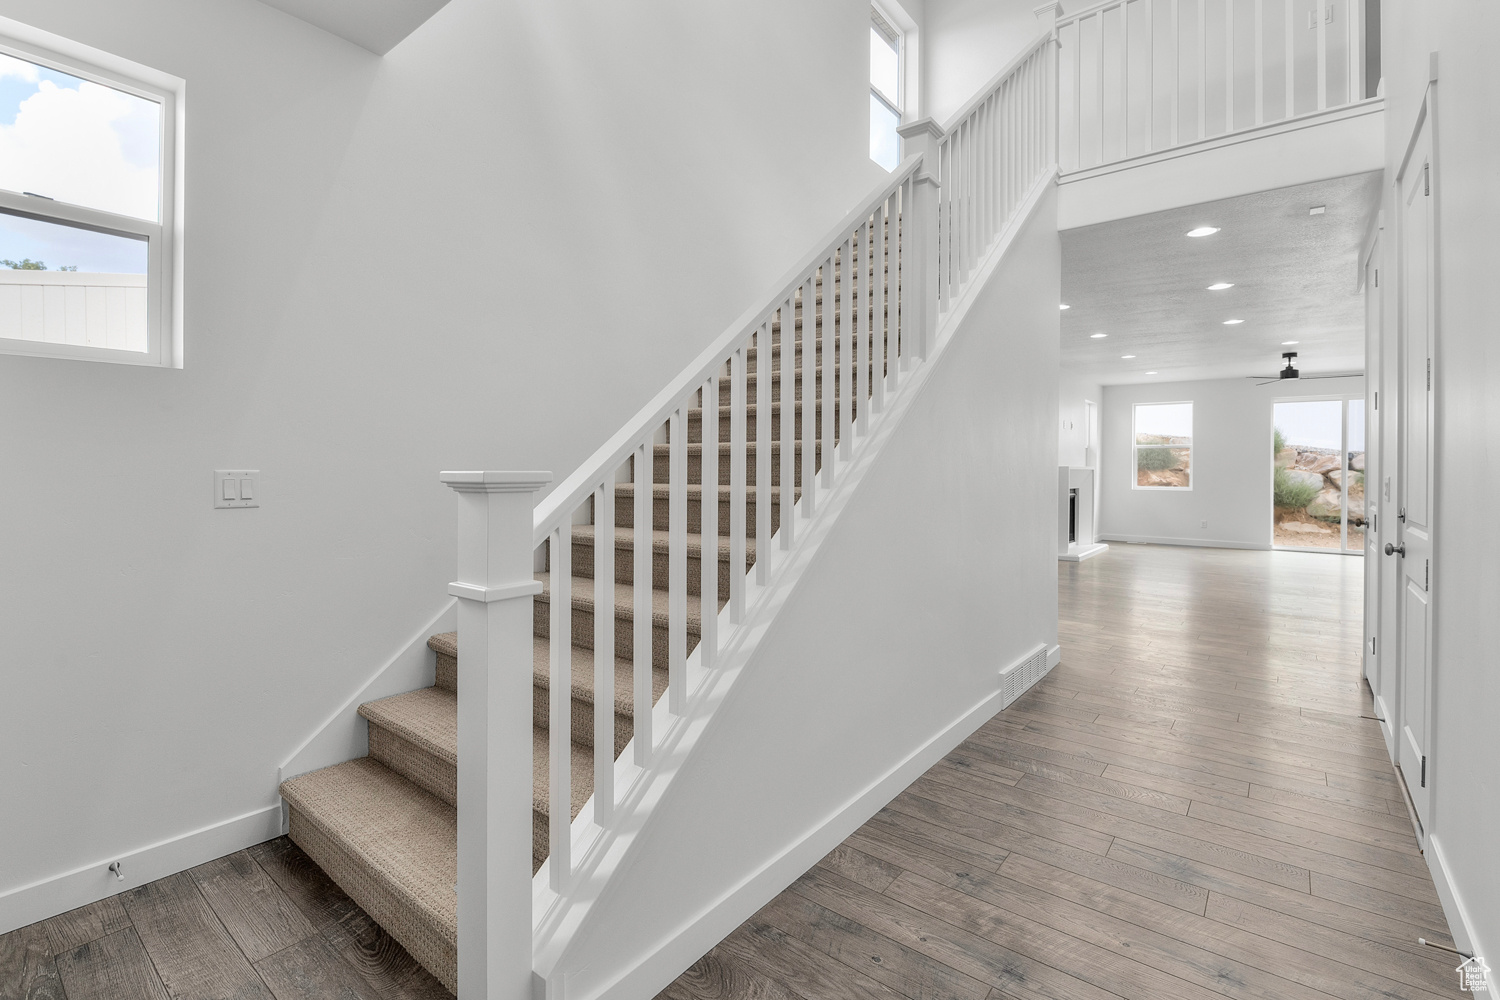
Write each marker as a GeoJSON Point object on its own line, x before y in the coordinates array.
{"type": "Point", "coordinates": [1054, 656]}
{"type": "Point", "coordinates": [60, 893]}
{"type": "Point", "coordinates": [344, 735]}
{"type": "Point", "coordinates": [1207, 543]}
{"type": "Point", "coordinates": [719, 919]}
{"type": "Point", "coordinates": [1078, 553]}
{"type": "Point", "coordinates": [1459, 924]}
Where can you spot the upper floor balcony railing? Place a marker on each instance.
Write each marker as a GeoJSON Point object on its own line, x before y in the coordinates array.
{"type": "Point", "coordinates": [1137, 77]}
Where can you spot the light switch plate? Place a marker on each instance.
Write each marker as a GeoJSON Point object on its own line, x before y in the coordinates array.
{"type": "Point", "coordinates": [236, 487]}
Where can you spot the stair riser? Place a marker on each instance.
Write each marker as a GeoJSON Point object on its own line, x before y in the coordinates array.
{"type": "Point", "coordinates": [583, 629]}
{"type": "Point", "coordinates": [661, 513]}
{"type": "Point", "coordinates": [415, 764]}
{"type": "Point", "coordinates": [752, 431]}
{"type": "Point", "coordinates": [427, 944]}
{"type": "Point", "coordinates": [583, 566]}
{"type": "Point", "coordinates": [582, 721]}
{"type": "Point", "coordinates": [775, 385]}
{"type": "Point", "coordinates": [662, 465]}
{"type": "Point", "coordinates": [447, 672]}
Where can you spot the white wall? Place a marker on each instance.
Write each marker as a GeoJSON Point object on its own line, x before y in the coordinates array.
{"type": "Point", "coordinates": [1466, 589]}
{"type": "Point", "coordinates": [927, 616]}
{"type": "Point", "coordinates": [1231, 462]}
{"type": "Point", "coordinates": [968, 42]}
{"type": "Point", "coordinates": [598, 189]}
{"type": "Point", "coordinates": [1072, 426]}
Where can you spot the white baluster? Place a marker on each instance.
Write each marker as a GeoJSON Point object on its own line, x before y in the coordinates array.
{"type": "Point", "coordinates": [1202, 72]}
{"type": "Point", "coordinates": [604, 651]}
{"type": "Point", "coordinates": [645, 516]}
{"type": "Point", "coordinates": [1260, 62]}
{"type": "Point", "coordinates": [788, 355]}
{"type": "Point", "coordinates": [877, 310]}
{"type": "Point", "coordinates": [1228, 66]}
{"type": "Point", "coordinates": [763, 378]}
{"type": "Point", "coordinates": [737, 404]}
{"type": "Point", "coordinates": [1322, 40]}
{"type": "Point", "coordinates": [677, 475]}
{"type": "Point", "coordinates": [560, 710]}
{"type": "Point", "coordinates": [1176, 69]}
{"type": "Point", "coordinates": [859, 355]}
{"type": "Point", "coordinates": [1290, 103]}
{"type": "Point", "coordinates": [494, 590]}
{"type": "Point", "coordinates": [845, 391]}
{"type": "Point", "coordinates": [708, 526]}
{"type": "Point", "coordinates": [809, 435]}
{"type": "Point", "coordinates": [827, 393]}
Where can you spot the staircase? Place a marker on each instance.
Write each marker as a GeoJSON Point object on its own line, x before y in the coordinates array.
{"type": "Point", "coordinates": [767, 433]}
{"type": "Point", "coordinates": [384, 826]}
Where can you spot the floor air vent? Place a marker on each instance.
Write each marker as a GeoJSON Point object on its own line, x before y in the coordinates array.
{"type": "Point", "coordinates": [1016, 678]}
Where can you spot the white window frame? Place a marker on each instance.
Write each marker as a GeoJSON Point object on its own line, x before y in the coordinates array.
{"type": "Point", "coordinates": [882, 16]}
{"type": "Point", "coordinates": [1135, 448]}
{"type": "Point", "coordinates": [163, 238]}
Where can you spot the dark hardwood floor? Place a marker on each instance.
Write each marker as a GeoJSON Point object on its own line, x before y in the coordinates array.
{"type": "Point", "coordinates": [260, 924]}
{"type": "Point", "coordinates": [1192, 806]}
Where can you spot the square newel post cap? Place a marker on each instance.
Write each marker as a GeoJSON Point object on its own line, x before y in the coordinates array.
{"type": "Point", "coordinates": [491, 481]}
{"type": "Point", "coordinates": [922, 136]}
{"type": "Point", "coordinates": [1048, 13]}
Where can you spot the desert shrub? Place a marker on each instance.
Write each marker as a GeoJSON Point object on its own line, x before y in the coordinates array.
{"type": "Point", "coordinates": [1152, 459]}
{"type": "Point", "coordinates": [1359, 479]}
{"type": "Point", "coordinates": [1278, 440]}
{"type": "Point", "coordinates": [1287, 492]}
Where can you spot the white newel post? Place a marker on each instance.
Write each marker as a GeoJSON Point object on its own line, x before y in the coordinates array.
{"type": "Point", "coordinates": [1047, 15]}
{"type": "Point", "coordinates": [922, 136]}
{"type": "Point", "coordinates": [494, 591]}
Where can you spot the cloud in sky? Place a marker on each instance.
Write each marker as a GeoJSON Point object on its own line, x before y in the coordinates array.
{"type": "Point", "coordinates": [78, 141]}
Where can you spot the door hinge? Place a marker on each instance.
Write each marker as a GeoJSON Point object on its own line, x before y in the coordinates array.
{"type": "Point", "coordinates": [1377, 277]}
{"type": "Point", "coordinates": [1372, 645]}
{"type": "Point", "coordinates": [1429, 374]}
{"type": "Point", "coordinates": [1426, 574]}
{"type": "Point", "coordinates": [1377, 399]}
{"type": "Point", "coordinates": [1401, 515]}
{"type": "Point", "coordinates": [1424, 770]}
{"type": "Point", "coordinates": [1426, 180]}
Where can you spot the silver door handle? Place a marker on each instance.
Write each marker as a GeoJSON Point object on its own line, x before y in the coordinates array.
{"type": "Point", "coordinates": [1399, 550]}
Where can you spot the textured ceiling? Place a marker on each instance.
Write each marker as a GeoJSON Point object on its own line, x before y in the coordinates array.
{"type": "Point", "coordinates": [1143, 282]}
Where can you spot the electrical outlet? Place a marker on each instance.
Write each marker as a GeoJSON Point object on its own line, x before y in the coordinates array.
{"type": "Point", "coordinates": [236, 488]}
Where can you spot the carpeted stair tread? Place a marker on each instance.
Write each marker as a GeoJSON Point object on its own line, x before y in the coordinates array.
{"type": "Point", "coordinates": [583, 685]}
{"type": "Point", "coordinates": [583, 534]}
{"type": "Point", "coordinates": [392, 846]}
{"type": "Point", "coordinates": [426, 718]}
{"type": "Point", "coordinates": [583, 600]}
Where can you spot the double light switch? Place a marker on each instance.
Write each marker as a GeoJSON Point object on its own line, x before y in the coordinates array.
{"type": "Point", "coordinates": [236, 487]}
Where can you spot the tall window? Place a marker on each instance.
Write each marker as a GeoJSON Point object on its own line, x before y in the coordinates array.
{"type": "Point", "coordinates": [1318, 478]}
{"type": "Point", "coordinates": [885, 91]}
{"type": "Point", "coordinates": [1164, 446]}
{"type": "Point", "coordinates": [87, 193]}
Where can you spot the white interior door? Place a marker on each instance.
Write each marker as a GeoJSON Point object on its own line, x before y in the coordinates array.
{"type": "Point", "coordinates": [1377, 573]}
{"type": "Point", "coordinates": [1413, 547]}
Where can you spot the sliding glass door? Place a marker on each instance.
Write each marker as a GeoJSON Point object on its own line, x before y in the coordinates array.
{"type": "Point", "coordinates": [1318, 487]}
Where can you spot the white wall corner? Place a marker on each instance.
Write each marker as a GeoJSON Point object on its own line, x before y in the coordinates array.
{"type": "Point", "coordinates": [344, 735]}
{"type": "Point", "coordinates": [1054, 656]}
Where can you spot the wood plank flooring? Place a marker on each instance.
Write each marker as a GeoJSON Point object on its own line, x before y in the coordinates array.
{"type": "Point", "coordinates": [262, 924]}
{"type": "Point", "coordinates": [1192, 805]}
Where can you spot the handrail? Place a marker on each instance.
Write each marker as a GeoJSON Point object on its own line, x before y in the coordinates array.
{"type": "Point", "coordinates": [577, 488]}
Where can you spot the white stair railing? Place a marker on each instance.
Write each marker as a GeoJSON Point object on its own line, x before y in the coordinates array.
{"type": "Point", "coordinates": [849, 324]}
{"type": "Point", "coordinates": [1138, 76]}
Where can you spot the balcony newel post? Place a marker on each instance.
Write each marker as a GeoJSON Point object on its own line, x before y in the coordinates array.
{"type": "Point", "coordinates": [494, 590]}
{"type": "Point", "coordinates": [922, 136]}
{"type": "Point", "coordinates": [1047, 14]}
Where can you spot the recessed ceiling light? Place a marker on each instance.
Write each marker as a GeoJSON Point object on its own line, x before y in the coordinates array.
{"type": "Point", "coordinates": [1153, 373]}
{"type": "Point", "coordinates": [1288, 343]}
{"type": "Point", "coordinates": [1063, 305]}
{"type": "Point", "coordinates": [1233, 322]}
{"type": "Point", "coordinates": [1219, 286]}
{"type": "Point", "coordinates": [1203, 231]}
{"type": "Point", "coordinates": [1126, 357]}
{"type": "Point", "coordinates": [1098, 336]}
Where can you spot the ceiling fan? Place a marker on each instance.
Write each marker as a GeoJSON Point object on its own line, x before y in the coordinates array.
{"type": "Point", "coordinates": [1291, 372]}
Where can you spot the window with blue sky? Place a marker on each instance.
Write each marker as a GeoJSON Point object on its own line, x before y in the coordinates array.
{"type": "Point", "coordinates": [885, 92]}
{"type": "Point", "coordinates": [82, 143]}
